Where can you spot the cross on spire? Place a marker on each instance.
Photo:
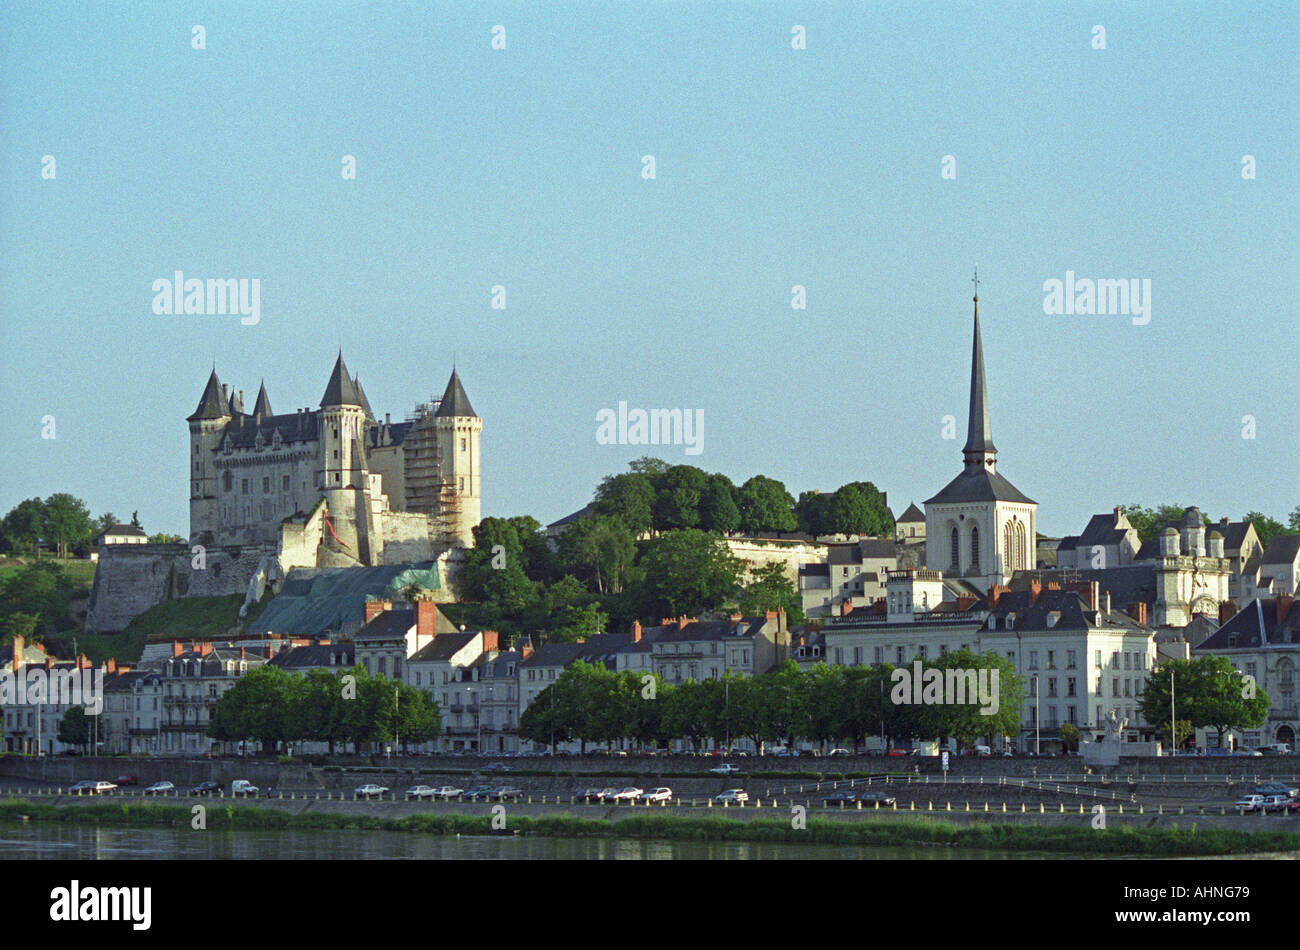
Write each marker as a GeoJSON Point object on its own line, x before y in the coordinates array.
{"type": "Point", "coordinates": [976, 281]}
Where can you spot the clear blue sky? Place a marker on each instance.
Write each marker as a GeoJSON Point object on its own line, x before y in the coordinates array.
{"type": "Point", "coordinates": [775, 167]}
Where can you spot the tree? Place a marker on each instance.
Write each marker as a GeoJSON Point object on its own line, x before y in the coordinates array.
{"type": "Point", "coordinates": [67, 521]}
{"type": "Point", "coordinates": [765, 505]}
{"type": "Point", "coordinates": [812, 513]}
{"type": "Point", "coordinates": [1208, 692]}
{"type": "Point", "coordinates": [1069, 736]}
{"type": "Point", "coordinates": [687, 572]}
{"type": "Point", "coordinates": [770, 588]}
{"type": "Point", "coordinates": [1265, 526]}
{"type": "Point", "coordinates": [677, 502]}
{"type": "Point", "coordinates": [973, 719]}
{"type": "Point", "coordinates": [859, 508]}
{"type": "Point", "coordinates": [1149, 522]}
{"type": "Point", "coordinates": [41, 590]}
{"type": "Point", "coordinates": [19, 624]}
{"type": "Point", "coordinates": [25, 523]}
{"type": "Point", "coordinates": [1293, 522]}
{"type": "Point", "coordinates": [257, 708]}
{"type": "Point", "coordinates": [718, 509]}
{"type": "Point", "coordinates": [74, 727]}
{"type": "Point", "coordinates": [135, 520]}
{"type": "Point", "coordinates": [630, 497]}
{"type": "Point", "coordinates": [600, 548]}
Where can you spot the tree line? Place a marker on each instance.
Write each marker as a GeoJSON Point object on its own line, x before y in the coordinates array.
{"type": "Point", "coordinates": [62, 522]}
{"type": "Point", "coordinates": [591, 704]}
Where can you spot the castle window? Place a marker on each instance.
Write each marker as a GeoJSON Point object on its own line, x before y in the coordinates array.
{"type": "Point", "coordinates": [284, 483]}
{"type": "Point", "coordinates": [462, 445]}
{"type": "Point", "coordinates": [266, 484]}
{"type": "Point", "coordinates": [227, 481]}
{"type": "Point", "coordinates": [244, 486]}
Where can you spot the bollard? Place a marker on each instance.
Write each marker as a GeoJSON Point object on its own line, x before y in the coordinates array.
{"type": "Point", "coordinates": [1004, 808]}
{"type": "Point", "coordinates": [986, 806]}
{"type": "Point", "coordinates": [1121, 808]}
{"type": "Point", "coordinates": [1023, 809]}
{"type": "Point", "coordinates": [949, 806]}
{"type": "Point", "coordinates": [1041, 808]}
{"type": "Point", "coordinates": [911, 806]}
{"type": "Point", "coordinates": [1062, 811]}
{"type": "Point", "coordinates": [968, 806]}
{"type": "Point", "coordinates": [1081, 808]}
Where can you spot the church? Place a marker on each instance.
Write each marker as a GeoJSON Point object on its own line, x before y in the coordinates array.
{"type": "Point", "coordinates": [335, 486]}
{"type": "Point", "coordinates": [980, 528]}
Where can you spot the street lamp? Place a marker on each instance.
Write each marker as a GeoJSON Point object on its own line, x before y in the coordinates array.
{"type": "Point", "coordinates": [1037, 750]}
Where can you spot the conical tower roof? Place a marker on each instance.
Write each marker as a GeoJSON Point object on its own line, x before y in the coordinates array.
{"type": "Point", "coordinates": [212, 405]}
{"type": "Point", "coordinates": [263, 405]}
{"type": "Point", "coordinates": [454, 401]}
{"type": "Point", "coordinates": [341, 391]}
{"type": "Point", "coordinates": [979, 436]}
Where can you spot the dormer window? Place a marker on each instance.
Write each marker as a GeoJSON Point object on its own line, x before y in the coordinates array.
{"type": "Point", "coordinates": [1011, 621]}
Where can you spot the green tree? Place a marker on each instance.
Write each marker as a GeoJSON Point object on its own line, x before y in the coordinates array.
{"type": "Point", "coordinates": [765, 506]}
{"type": "Point", "coordinates": [1069, 736]}
{"type": "Point", "coordinates": [1149, 522]}
{"type": "Point", "coordinates": [1208, 692]}
{"type": "Point", "coordinates": [74, 727]}
{"type": "Point", "coordinates": [859, 508]}
{"type": "Point", "coordinates": [67, 521]}
{"type": "Point", "coordinates": [1293, 522]}
{"type": "Point", "coordinates": [25, 523]}
{"type": "Point", "coordinates": [630, 497]}
{"type": "Point", "coordinates": [718, 509]}
{"type": "Point", "coordinates": [687, 572]}
{"type": "Point", "coordinates": [19, 624]}
{"type": "Point", "coordinates": [601, 549]}
{"type": "Point", "coordinates": [770, 588]}
{"type": "Point", "coordinates": [257, 708]}
{"type": "Point", "coordinates": [812, 513]}
{"type": "Point", "coordinates": [677, 501]}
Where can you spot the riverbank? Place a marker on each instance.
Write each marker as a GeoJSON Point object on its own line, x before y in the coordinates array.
{"type": "Point", "coordinates": [1165, 841]}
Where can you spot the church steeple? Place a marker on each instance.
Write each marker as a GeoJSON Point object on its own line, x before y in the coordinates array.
{"type": "Point", "coordinates": [979, 453]}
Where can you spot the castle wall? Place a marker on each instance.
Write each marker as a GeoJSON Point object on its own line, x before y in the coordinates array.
{"type": "Point", "coordinates": [409, 538]}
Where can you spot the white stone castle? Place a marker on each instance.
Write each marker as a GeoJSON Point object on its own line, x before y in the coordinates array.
{"type": "Point", "coordinates": [335, 486]}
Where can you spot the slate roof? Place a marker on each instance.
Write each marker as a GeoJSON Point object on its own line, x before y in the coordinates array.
{"type": "Point", "coordinates": [814, 570]}
{"type": "Point", "coordinates": [979, 437]}
{"type": "Point", "coordinates": [293, 427]}
{"type": "Point", "coordinates": [709, 630]}
{"type": "Point", "coordinates": [343, 654]}
{"type": "Point", "coordinates": [979, 485]}
{"type": "Point", "coordinates": [212, 404]}
{"type": "Point", "coordinates": [1101, 531]}
{"type": "Point", "coordinates": [263, 405]}
{"type": "Point", "coordinates": [443, 647]}
{"type": "Point", "coordinates": [396, 433]}
{"type": "Point", "coordinates": [1254, 627]}
{"type": "Point", "coordinates": [130, 531]}
{"type": "Point", "coordinates": [912, 513]}
{"type": "Point", "coordinates": [582, 512]}
{"type": "Point", "coordinates": [1072, 609]}
{"type": "Point", "coordinates": [341, 390]}
{"type": "Point", "coordinates": [388, 624]}
{"type": "Point", "coordinates": [1129, 584]}
{"type": "Point", "coordinates": [454, 401]}
{"type": "Point", "coordinates": [1282, 549]}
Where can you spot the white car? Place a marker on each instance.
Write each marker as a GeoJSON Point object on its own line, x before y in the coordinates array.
{"type": "Point", "coordinates": [732, 796]}
{"type": "Point", "coordinates": [726, 768]}
{"type": "Point", "coordinates": [160, 788]}
{"type": "Point", "coordinates": [838, 752]}
{"type": "Point", "coordinates": [448, 791]}
{"type": "Point", "coordinates": [982, 750]}
{"type": "Point", "coordinates": [1250, 803]}
{"type": "Point", "coordinates": [627, 794]}
{"type": "Point", "coordinates": [657, 795]}
{"type": "Point", "coordinates": [369, 791]}
{"type": "Point", "coordinates": [102, 787]}
{"type": "Point", "coordinates": [242, 786]}
{"type": "Point", "coordinates": [420, 792]}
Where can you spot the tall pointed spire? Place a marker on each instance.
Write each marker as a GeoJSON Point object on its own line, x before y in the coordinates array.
{"type": "Point", "coordinates": [340, 391]}
{"type": "Point", "coordinates": [212, 404]}
{"type": "Point", "coordinates": [263, 405]}
{"type": "Point", "coordinates": [979, 451]}
{"type": "Point", "coordinates": [454, 401]}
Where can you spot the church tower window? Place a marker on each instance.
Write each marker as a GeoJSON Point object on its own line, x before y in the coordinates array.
{"type": "Point", "coordinates": [975, 548]}
{"type": "Point", "coordinates": [956, 550]}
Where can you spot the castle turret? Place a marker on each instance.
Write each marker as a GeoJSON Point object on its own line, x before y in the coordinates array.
{"type": "Point", "coordinates": [262, 408]}
{"type": "Point", "coordinates": [1193, 525]}
{"type": "Point", "coordinates": [458, 431]}
{"type": "Point", "coordinates": [1169, 543]}
{"type": "Point", "coordinates": [207, 425]}
{"type": "Point", "coordinates": [343, 470]}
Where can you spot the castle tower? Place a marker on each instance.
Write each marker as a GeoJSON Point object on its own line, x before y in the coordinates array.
{"type": "Point", "coordinates": [342, 469]}
{"type": "Point", "coordinates": [458, 431]}
{"type": "Point", "coordinates": [980, 527]}
{"type": "Point", "coordinates": [207, 425]}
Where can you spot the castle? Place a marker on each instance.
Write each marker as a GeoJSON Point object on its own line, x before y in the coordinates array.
{"type": "Point", "coordinates": [392, 492]}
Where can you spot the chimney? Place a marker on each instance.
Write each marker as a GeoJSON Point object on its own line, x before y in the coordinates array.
{"type": "Point", "coordinates": [996, 592]}
{"type": "Point", "coordinates": [1035, 588]}
{"type": "Point", "coordinates": [964, 602]}
{"type": "Point", "coordinates": [19, 643]}
{"type": "Point", "coordinates": [636, 631]}
{"type": "Point", "coordinates": [880, 606]}
{"type": "Point", "coordinates": [300, 642]}
{"type": "Point", "coordinates": [83, 662]}
{"type": "Point", "coordinates": [1284, 602]}
{"type": "Point", "coordinates": [376, 607]}
{"type": "Point", "coordinates": [491, 641]}
{"type": "Point", "coordinates": [177, 648]}
{"type": "Point", "coordinates": [1227, 610]}
{"type": "Point", "coordinates": [49, 662]}
{"type": "Point", "coordinates": [1087, 590]}
{"type": "Point", "coordinates": [242, 654]}
{"type": "Point", "coordinates": [110, 667]}
{"type": "Point", "coordinates": [1053, 585]}
{"type": "Point", "coordinates": [323, 642]}
{"type": "Point", "coordinates": [525, 648]}
{"type": "Point", "coordinates": [846, 608]}
{"type": "Point", "coordinates": [205, 649]}
{"type": "Point", "coordinates": [1106, 602]}
{"type": "Point", "coordinates": [426, 616]}
{"type": "Point", "coordinates": [268, 651]}
{"type": "Point", "coordinates": [682, 622]}
{"type": "Point", "coordinates": [1138, 612]}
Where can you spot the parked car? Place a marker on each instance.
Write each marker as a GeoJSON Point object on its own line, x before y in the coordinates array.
{"type": "Point", "coordinates": [836, 798]}
{"type": "Point", "coordinates": [1292, 807]}
{"type": "Point", "coordinates": [607, 794]}
{"type": "Point", "coordinates": [207, 788]}
{"type": "Point", "coordinates": [1276, 788]}
{"type": "Point", "coordinates": [726, 768]}
{"type": "Point", "coordinates": [479, 791]}
{"type": "Point", "coordinates": [870, 798]}
{"type": "Point", "coordinates": [896, 751]}
{"type": "Point", "coordinates": [82, 788]}
{"type": "Point", "coordinates": [124, 780]}
{"type": "Point", "coordinates": [627, 794]}
{"type": "Point", "coordinates": [419, 792]}
{"type": "Point", "coordinates": [657, 795]}
{"type": "Point", "coordinates": [447, 792]}
{"type": "Point", "coordinates": [1274, 803]}
{"type": "Point", "coordinates": [242, 786]}
{"type": "Point", "coordinates": [160, 788]}
{"type": "Point", "coordinates": [732, 796]}
{"type": "Point", "coordinates": [982, 750]}
{"type": "Point", "coordinates": [1249, 803]}
{"type": "Point", "coordinates": [506, 792]}
{"type": "Point", "coordinates": [369, 791]}
{"type": "Point", "coordinates": [102, 788]}
{"type": "Point", "coordinates": [838, 752]}
{"type": "Point", "coordinates": [591, 794]}
{"type": "Point", "coordinates": [496, 767]}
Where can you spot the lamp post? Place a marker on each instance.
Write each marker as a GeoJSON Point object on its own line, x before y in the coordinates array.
{"type": "Point", "coordinates": [1037, 750]}
{"type": "Point", "coordinates": [1173, 716]}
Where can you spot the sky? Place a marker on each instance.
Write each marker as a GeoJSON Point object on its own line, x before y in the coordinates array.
{"type": "Point", "coordinates": [523, 168]}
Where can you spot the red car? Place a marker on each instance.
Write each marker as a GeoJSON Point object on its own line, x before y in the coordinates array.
{"type": "Point", "coordinates": [126, 780]}
{"type": "Point", "coordinates": [898, 752]}
{"type": "Point", "coordinates": [1292, 807]}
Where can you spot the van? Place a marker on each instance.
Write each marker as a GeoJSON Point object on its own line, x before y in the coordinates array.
{"type": "Point", "coordinates": [242, 786]}
{"type": "Point", "coordinates": [983, 750]}
{"type": "Point", "coordinates": [1277, 748]}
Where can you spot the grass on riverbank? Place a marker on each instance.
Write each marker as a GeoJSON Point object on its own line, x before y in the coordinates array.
{"type": "Point", "coordinates": [1164, 842]}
